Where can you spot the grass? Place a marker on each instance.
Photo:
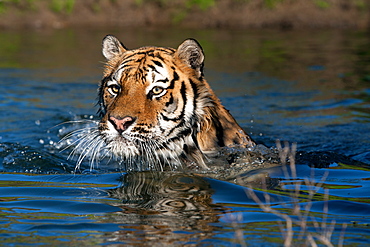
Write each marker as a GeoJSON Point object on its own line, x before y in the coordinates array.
{"type": "Point", "coordinates": [293, 215]}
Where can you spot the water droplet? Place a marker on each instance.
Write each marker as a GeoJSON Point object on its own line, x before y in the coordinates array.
{"type": "Point", "coordinates": [41, 141]}
{"type": "Point", "coordinates": [37, 122]}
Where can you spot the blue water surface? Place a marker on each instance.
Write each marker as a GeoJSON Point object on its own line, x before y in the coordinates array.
{"type": "Point", "coordinates": [305, 88]}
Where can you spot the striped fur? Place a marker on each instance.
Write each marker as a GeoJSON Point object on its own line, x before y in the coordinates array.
{"type": "Point", "coordinates": [158, 111]}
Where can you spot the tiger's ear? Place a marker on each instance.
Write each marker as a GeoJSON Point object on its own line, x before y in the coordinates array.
{"type": "Point", "coordinates": [112, 47]}
{"type": "Point", "coordinates": [191, 53]}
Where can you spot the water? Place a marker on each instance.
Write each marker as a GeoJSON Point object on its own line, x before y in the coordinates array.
{"type": "Point", "coordinates": [309, 87]}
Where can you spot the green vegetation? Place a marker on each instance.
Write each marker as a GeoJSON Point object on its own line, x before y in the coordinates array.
{"type": "Point", "coordinates": [67, 6]}
{"type": "Point", "coordinates": [4, 3]}
{"type": "Point", "coordinates": [322, 4]}
{"type": "Point", "coordinates": [59, 6]}
{"type": "Point", "coordinates": [272, 3]}
{"type": "Point", "coordinates": [179, 10]}
{"type": "Point", "coordinates": [186, 6]}
{"type": "Point", "coordinates": [202, 4]}
{"type": "Point", "coordinates": [62, 6]}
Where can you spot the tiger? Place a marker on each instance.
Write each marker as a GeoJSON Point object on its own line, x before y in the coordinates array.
{"type": "Point", "coordinates": [157, 110]}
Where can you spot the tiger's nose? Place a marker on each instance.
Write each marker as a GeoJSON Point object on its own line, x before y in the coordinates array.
{"type": "Point", "coordinates": [121, 124]}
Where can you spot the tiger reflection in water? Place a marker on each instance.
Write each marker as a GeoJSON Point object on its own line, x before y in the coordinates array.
{"type": "Point", "coordinates": [158, 204]}
{"type": "Point", "coordinates": [158, 191]}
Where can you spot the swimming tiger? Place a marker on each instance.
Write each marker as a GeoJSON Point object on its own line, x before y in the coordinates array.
{"type": "Point", "coordinates": [157, 109]}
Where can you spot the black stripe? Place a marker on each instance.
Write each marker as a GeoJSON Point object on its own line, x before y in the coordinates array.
{"type": "Point", "coordinates": [181, 116]}
{"type": "Point", "coordinates": [141, 130]}
{"type": "Point", "coordinates": [126, 61]}
{"type": "Point", "coordinates": [168, 51]}
{"type": "Point", "coordinates": [170, 119]}
{"type": "Point", "coordinates": [158, 63]}
{"type": "Point", "coordinates": [180, 136]}
{"type": "Point", "coordinates": [100, 103]}
{"type": "Point", "coordinates": [130, 56]}
{"type": "Point", "coordinates": [141, 75]}
{"type": "Point", "coordinates": [143, 52]}
{"type": "Point", "coordinates": [105, 80]}
{"type": "Point", "coordinates": [139, 60]}
{"type": "Point", "coordinates": [158, 55]}
{"type": "Point", "coordinates": [164, 80]}
{"type": "Point", "coordinates": [178, 126]}
{"type": "Point", "coordinates": [170, 101]}
{"type": "Point", "coordinates": [183, 95]}
{"type": "Point", "coordinates": [175, 78]}
{"type": "Point", "coordinates": [195, 93]}
{"type": "Point", "coordinates": [161, 129]}
{"type": "Point", "coordinates": [153, 68]}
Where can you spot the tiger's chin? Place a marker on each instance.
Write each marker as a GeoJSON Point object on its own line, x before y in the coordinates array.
{"type": "Point", "coordinates": [138, 153]}
{"type": "Point", "coordinates": [142, 158]}
{"type": "Point", "coordinates": [134, 153]}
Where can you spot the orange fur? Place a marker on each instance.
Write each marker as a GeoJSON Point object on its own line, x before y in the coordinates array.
{"type": "Point", "coordinates": [207, 128]}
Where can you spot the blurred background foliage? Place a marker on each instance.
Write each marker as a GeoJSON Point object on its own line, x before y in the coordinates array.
{"type": "Point", "coordinates": [284, 14]}
{"type": "Point", "coordinates": [67, 6]}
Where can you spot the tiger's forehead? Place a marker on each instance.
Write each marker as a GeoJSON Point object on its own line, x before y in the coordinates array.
{"type": "Point", "coordinates": [144, 63]}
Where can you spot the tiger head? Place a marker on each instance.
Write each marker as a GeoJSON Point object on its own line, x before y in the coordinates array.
{"type": "Point", "coordinates": [157, 109]}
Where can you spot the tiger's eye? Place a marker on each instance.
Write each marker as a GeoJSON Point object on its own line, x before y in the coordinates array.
{"type": "Point", "coordinates": [114, 89]}
{"type": "Point", "coordinates": [157, 90]}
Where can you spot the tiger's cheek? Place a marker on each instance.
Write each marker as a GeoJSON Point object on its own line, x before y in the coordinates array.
{"type": "Point", "coordinates": [146, 113]}
{"type": "Point", "coordinates": [107, 98]}
{"type": "Point", "coordinates": [169, 104]}
{"type": "Point", "coordinates": [161, 104]}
